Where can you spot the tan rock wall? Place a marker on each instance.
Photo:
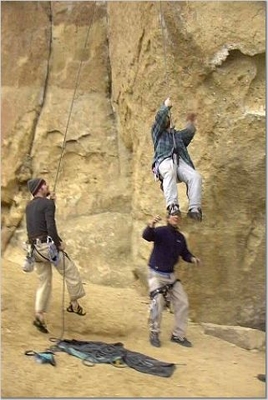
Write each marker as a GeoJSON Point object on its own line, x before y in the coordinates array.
{"type": "Point", "coordinates": [209, 57]}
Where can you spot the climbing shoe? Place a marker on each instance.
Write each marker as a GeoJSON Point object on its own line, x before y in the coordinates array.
{"type": "Point", "coordinates": [173, 209]}
{"type": "Point", "coordinates": [40, 325]}
{"type": "Point", "coordinates": [154, 339]}
{"type": "Point", "coordinates": [195, 213]}
{"type": "Point", "coordinates": [183, 341]}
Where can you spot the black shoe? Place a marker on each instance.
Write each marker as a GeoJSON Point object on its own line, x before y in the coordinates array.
{"type": "Point", "coordinates": [40, 325]}
{"type": "Point", "coordinates": [183, 341]}
{"type": "Point", "coordinates": [154, 339]}
{"type": "Point", "coordinates": [196, 215]}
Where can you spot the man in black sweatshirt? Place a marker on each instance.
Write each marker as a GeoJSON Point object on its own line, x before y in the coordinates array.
{"type": "Point", "coordinates": [169, 245]}
{"type": "Point", "coordinates": [48, 253]}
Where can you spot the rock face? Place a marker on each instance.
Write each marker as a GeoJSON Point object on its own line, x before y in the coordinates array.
{"type": "Point", "coordinates": [247, 338]}
{"type": "Point", "coordinates": [81, 82]}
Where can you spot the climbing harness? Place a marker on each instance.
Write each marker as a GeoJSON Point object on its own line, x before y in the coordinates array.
{"type": "Point", "coordinates": [163, 289]}
{"type": "Point", "coordinates": [153, 307]}
{"type": "Point", "coordinates": [53, 253]}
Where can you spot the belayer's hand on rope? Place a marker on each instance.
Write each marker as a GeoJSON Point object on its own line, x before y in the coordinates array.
{"type": "Point", "coordinates": [52, 196]}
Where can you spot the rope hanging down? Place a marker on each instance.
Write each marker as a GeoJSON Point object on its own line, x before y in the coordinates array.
{"type": "Point", "coordinates": [72, 102]}
{"type": "Point", "coordinates": [164, 46]}
{"type": "Point", "coordinates": [61, 156]}
{"type": "Point", "coordinates": [165, 63]}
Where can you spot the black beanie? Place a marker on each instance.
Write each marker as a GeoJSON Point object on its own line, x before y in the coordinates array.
{"type": "Point", "coordinates": [35, 184]}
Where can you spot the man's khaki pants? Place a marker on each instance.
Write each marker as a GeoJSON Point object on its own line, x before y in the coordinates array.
{"type": "Point", "coordinates": [65, 267]}
{"type": "Point", "coordinates": [178, 299]}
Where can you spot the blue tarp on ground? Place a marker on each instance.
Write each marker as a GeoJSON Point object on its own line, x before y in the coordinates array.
{"type": "Point", "coordinates": [92, 352]}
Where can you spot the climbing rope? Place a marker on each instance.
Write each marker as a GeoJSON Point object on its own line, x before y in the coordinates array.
{"type": "Point", "coordinates": [73, 98]}
{"type": "Point", "coordinates": [165, 60]}
{"type": "Point", "coordinates": [164, 46]}
{"type": "Point", "coordinates": [61, 156]}
{"type": "Point", "coordinates": [63, 297]}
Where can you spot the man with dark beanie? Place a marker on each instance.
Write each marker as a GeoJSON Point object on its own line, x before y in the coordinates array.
{"type": "Point", "coordinates": [169, 245]}
{"type": "Point", "coordinates": [48, 252]}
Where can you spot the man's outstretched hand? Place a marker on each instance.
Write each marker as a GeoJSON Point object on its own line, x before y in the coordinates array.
{"type": "Point", "coordinates": [196, 261]}
{"type": "Point", "coordinates": [156, 219]}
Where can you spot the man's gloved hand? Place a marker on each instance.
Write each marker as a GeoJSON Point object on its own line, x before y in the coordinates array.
{"type": "Point", "coordinates": [168, 103]}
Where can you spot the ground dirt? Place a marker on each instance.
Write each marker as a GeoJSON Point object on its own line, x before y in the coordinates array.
{"type": "Point", "coordinates": [213, 368]}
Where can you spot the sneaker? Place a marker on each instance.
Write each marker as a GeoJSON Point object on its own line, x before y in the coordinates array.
{"type": "Point", "coordinates": [183, 341]}
{"type": "Point", "coordinates": [173, 209]}
{"type": "Point", "coordinates": [195, 213]}
{"type": "Point", "coordinates": [154, 339]}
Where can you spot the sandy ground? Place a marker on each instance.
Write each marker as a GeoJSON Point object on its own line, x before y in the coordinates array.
{"type": "Point", "coordinates": [212, 368]}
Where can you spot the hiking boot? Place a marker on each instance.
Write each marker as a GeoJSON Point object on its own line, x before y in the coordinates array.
{"type": "Point", "coordinates": [195, 213]}
{"type": "Point", "coordinates": [154, 339]}
{"type": "Point", "coordinates": [183, 341]}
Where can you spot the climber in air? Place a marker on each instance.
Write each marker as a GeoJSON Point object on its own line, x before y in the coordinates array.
{"type": "Point", "coordinates": [172, 163]}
